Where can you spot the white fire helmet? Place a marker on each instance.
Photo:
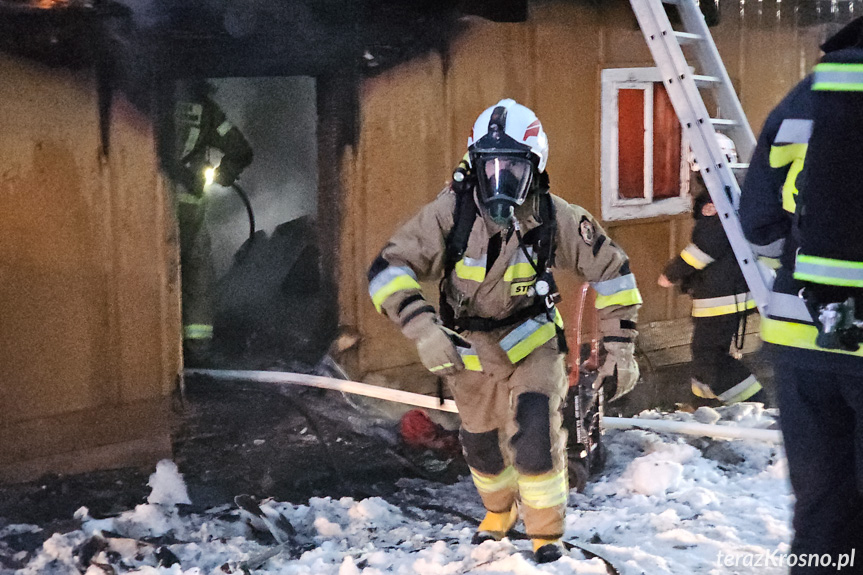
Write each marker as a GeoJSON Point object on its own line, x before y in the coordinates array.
{"type": "Point", "coordinates": [507, 149]}
{"type": "Point", "coordinates": [726, 145]}
{"type": "Point", "coordinates": [519, 123]}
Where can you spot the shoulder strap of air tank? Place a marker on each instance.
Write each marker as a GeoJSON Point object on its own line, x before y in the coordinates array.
{"type": "Point", "coordinates": [464, 215]}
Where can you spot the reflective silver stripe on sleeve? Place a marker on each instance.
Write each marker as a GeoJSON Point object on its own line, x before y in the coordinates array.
{"type": "Point", "coordinates": [824, 271]}
{"type": "Point", "coordinates": [693, 255]}
{"type": "Point", "coordinates": [522, 331]}
{"type": "Point", "coordinates": [771, 250]}
{"type": "Point", "coordinates": [833, 77]}
{"type": "Point", "coordinates": [793, 131]}
{"type": "Point", "coordinates": [224, 128]}
{"type": "Point", "coordinates": [388, 274]}
{"type": "Point", "coordinates": [614, 285]}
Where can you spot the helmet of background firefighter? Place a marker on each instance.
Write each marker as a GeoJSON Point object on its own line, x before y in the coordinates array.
{"type": "Point", "coordinates": [726, 145]}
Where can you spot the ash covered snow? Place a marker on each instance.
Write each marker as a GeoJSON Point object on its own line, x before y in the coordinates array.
{"type": "Point", "coordinates": [665, 504]}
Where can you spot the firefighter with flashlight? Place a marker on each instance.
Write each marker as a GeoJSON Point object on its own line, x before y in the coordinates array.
{"type": "Point", "coordinates": [491, 239]}
{"type": "Point", "coordinates": [201, 130]}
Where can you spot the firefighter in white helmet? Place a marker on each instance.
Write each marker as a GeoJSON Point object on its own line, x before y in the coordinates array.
{"type": "Point", "coordinates": [491, 238]}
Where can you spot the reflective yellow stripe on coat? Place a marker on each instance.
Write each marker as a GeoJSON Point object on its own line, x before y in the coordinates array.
{"type": "Point", "coordinates": [530, 335]}
{"type": "Point", "coordinates": [723, 305]}
{"type": "Point", "coordinates": [469, 357]}
{"type": "Point", "coordinates": [838, 77]}
{"type": "Point", "coordinates": [792, 334]}
{"type": "Point", "coordinates": [696, 257]}
{"type": "Point", "coordinates": [520, 267]}
{"type": "Point", "coordinates": [390, 280]}
{"type": "Point", "coordinates": [741, 392]}
{"type": "Point", "coordinates": [471, 269]}
{"type": "Point", "coordinates": [621, 290]}
{"type": "Point", "coordinates": [828, 271]}
{"type": "Point", "coordinates": [789, 147]}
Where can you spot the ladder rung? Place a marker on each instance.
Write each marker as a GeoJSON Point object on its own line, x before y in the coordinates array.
{"type": "Point", "coordinates": [671, 1]}
{"type": "Point", "coordinates": [738, 166]}
{"type": "Point", "coordinates": [687, 37]}
{"type": "Point", "coordinates": [724, 122]}
{"type": "Point", "coordinates": [702, 81]}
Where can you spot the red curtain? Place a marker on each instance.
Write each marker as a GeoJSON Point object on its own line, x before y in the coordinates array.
{"type": "Point", "coordinates": [630, 151]}
{"type": "Point", "coordinates": [630, 143]}
{"type": "Point", "coordinates": [666, 146]}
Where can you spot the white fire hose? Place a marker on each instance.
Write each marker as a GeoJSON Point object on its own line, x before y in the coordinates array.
{"type": "Point", "coordinates": [428, 402]}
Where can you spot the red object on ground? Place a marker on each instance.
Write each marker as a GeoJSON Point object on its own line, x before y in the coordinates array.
{"type": "Point", "coordinates": [419, 431]}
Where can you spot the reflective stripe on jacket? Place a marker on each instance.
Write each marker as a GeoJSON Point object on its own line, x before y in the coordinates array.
{"type": "Point", "coordinates": [498, 289]}
{"type": "Point", "coordinates": [723, 305]}
{"type": "Point", "coordinates": [708, 271]}
{"type": "Point", "coordinates": [789, 152]}
{"type": "Point", "coordinates": [766, 210]}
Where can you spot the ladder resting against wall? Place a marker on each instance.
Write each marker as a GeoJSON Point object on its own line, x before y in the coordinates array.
{"type": "Point", "coordinates": [684, 83]}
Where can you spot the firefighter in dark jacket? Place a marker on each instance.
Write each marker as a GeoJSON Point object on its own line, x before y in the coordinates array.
{"type": "Point", "coordinates": [798, 170]}
{"type": "Point", "coordinates": [707, 270]}
{"type": "Point", "coordinates": [497, 335]}
{"type": "Point", "coordinates": [200, 128]}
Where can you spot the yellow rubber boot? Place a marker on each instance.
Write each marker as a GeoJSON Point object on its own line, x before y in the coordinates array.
{"type": "Point", "coordinates": [547, 550]}
{"type": "Point", "coordinates": [495, 526]}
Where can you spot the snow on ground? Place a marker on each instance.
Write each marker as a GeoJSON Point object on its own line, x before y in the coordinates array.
{"type": "Point", "coordinates": [665, 504]}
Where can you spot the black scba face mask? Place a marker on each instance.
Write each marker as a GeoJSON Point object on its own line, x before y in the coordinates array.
{"type": "Point", "coordinates": [503, 181]}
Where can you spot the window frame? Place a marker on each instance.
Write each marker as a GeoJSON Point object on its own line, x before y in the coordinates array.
{"type": "Point", "coordinates": [615, 207]}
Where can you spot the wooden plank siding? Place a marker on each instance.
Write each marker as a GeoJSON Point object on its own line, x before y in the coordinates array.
{"type": "Point", "coordinates": [415, 120]}
{"type": "Point", "coordinates": [89, 349]}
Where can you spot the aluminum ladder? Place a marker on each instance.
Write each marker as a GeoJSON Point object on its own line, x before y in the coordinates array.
{"type": "Point", "coordinates": [683, 84]}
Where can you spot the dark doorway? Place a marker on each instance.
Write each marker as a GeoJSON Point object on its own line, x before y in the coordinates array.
{"type": "Point", "coordinates": [269, 306]}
